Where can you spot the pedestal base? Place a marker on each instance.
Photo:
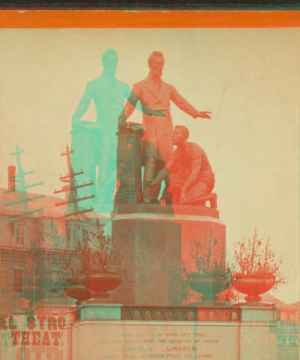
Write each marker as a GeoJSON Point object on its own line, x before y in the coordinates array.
{"type": "Point", "coordinates": [57, 307]}
{"type": "Point", "coordinates": [95, 310]}
{"type": "Point", "coordinates": [256, 312]}
{"type": "Point", "coordinates": [170, 332]}
{"type": "Point", "coordinates": [211, 303]}
{"type": "Point", "coordinates": [149, 240]}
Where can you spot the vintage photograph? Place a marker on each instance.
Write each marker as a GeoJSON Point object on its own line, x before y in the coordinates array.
{"type": "Point", "coordinates": [149, 193]}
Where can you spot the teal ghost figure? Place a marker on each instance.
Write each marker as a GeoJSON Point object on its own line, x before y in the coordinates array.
{"type": "Point", "coordinates": [95, 144]}
{"type": "Point", "coordinates": [84, 158]}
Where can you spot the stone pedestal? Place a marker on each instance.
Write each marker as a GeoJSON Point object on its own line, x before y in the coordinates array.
{"type": "Point", "coordinates": [200, 224]}
{"type": "Point", "coordinates": [150, 242]}
{"type": "Point", "coordinates": [97, 340]}
{"type": "Point", "coordinates": [129, 167]}
{"type": "Point", "coordinates": [177, 332]}
{"type": "Point", "coordinates": [265, 312]}
{"type": "Point", "coordinates": [50, 328]}
{"type": "Point", "coordinates": [202, 232]}
{"type": "Point", "coordinates": [145, 332]}
{"type": "Point", "coordinates": [94, 310]}
{"type": "Point", "coordinates": [258, 332]}
{"type": "Point", "coordinates": [156, 242]}
{"type": "Point", "coordinates": [56, 308]}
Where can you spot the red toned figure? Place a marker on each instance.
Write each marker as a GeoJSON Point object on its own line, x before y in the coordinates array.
{"type": "Point", "coordinates": [191, 175]}
{"type": "Point", "coordinates": [157, 130]}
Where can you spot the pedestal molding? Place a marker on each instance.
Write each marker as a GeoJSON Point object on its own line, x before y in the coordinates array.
{"type": "Point", "coordinates": [149, 216]}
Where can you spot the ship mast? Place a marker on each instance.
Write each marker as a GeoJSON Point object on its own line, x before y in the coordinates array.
{"type": "Point", "coordinates": [71, 188]}
{"type": "Point", "coordinates": [22, 188]}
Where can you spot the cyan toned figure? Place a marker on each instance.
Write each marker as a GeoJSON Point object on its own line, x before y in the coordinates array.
{"type": "Point", "coordinates": [158, 131]}
{"type": "Point", "coordinates": [109, 95]}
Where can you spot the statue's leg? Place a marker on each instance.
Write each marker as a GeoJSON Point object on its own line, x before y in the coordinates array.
{"type": "Point", "coordinates": [174, 184]}
{"type": "Point", "coordinates": [107, 169]}
{"type": "Point", "coordinates": [107, 186]}
{"type": "Point", "coordinates": [150, 192]}
{"type": "Point", "coordinates": [195, 194]}
{"type": "Point", "coordinates": [167, 194]}
{"type": "Point", "coordinates": [173, 192]}
{"type": "Point", "coordinates": [150, 170]}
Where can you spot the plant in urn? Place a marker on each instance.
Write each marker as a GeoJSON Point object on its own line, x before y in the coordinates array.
{"type": "Point", "coordinates": [95, 265]}
{"type": "Point", "coordinates": [255, 268]}
{"type": "Point", "coordinates": [207, 273]}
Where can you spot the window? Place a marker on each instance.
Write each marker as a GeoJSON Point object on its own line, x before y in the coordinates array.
{"type": "Point", "coordinates": [18, 280]}
{"type": "Point", "coordinates": [19, 233]}
{"type": "Point", "coordinates": [69, 234]}
{"type": "Point", "coordinates": [11, 231]}
{"type": "Point", "coordinates": [55, 280]}
{"type": "Point", "coordinates": [3, 279]}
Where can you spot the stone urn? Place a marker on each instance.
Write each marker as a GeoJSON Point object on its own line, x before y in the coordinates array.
{"type": "Point", "coordinates": [253, 287]}
{"type": "Point", "coordinates": [208, 284]}
{"type": "Point", "coordinates": [48, 287]}
{"type": "Point", "coordinates": [29, 293]}
{"type": "Point", "coordinates": [100, 283]}
{"type": "Point", "coordinates": [55, 286]}
{"type": "Point", "coordinates": [80, 293]}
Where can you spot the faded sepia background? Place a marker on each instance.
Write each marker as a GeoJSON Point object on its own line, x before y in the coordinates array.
{"type": "Point", "coordinates": [248, 79]}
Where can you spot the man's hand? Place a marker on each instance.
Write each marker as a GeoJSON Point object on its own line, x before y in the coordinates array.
{"type": "Point", "coordinates": [122, 122]}
{"type": "Point", "coordinates": [154, 183]}
{"type": "Point", "coordinates": [182, 199]}
{"type": "Point", "coordinates": [204, 114]}
{"type": "Point", "coordinates": [109, 179]}
{"type": "Point", "coordinates": [75, 124]}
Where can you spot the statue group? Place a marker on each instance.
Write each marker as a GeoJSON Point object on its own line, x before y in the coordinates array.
{"type": "Point", "coordinates": [185, 171]}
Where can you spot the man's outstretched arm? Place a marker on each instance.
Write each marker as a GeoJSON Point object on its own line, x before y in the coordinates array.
{"type": "Point", "coordinates": [185, 106]}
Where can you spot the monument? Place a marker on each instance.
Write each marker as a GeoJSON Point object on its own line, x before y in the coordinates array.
{"type": "Point", "coordinates": [95, 144]}
{"type": "Point", "coordinates": [158, 131]}
{"type": "Point", "coordinates": [169, 299]}
{"type": "Point", "coordinates": [142, 314]}
{"type": "Point", "coordinates": [141, 231]}
{"type": "Point", "coordinates": [144, 317]}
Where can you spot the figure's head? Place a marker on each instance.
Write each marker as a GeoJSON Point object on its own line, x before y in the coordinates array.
{"type": "Point", "coordinates": [110, 61]}
{"type": "Point", "coordinates": [180, 135]}
{"type": "Point", "coordinates": [156, 63]}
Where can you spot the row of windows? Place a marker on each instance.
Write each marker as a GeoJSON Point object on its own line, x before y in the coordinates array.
{"type": "Point", "coordinates": [18, 280]}
{"type": "Point", "coordinates": [16, 231]}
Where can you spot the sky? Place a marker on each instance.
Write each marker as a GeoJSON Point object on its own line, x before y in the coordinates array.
{"type": "Point", "coordinates": [247, 78]}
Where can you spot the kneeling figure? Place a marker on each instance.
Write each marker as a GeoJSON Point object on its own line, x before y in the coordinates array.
{"type": "Point", "coordinates": [188, 175]}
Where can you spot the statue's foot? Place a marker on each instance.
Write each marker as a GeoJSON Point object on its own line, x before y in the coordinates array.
{"type": "Point", "coordinates": [150, 201]}
{"type": "Point", "coordinates": [167, 197]}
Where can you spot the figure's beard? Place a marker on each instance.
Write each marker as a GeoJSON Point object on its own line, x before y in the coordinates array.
{"type": "Point", "coordinates": [156, 74]}
{"type": "Point", "coordinates": [110, 72]}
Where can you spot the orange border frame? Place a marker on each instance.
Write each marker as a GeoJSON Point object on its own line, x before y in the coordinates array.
{"type": "Point", "coordinates": [148, 19]}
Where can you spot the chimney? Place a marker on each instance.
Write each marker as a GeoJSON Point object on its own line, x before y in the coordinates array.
{"type": "Point", "coordinates": [11, 178]}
